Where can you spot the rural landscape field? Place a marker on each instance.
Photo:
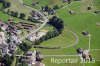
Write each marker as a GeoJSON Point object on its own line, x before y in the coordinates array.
{"type": "Point", "coordinates": [49, 32]}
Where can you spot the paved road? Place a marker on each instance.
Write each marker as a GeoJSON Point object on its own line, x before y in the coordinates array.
{"type": "Point", "coordinates": [59, 55]}
{"type": "Point", "coordinates": [44, 22]}
{"type": "Point", "coordinates": [76, 42]}
{"type": "Point", "coordinates": [52, 55]}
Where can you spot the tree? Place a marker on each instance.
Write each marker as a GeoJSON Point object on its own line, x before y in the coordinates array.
{"type": "Point", "coordinates": [6, 4]}
{"type": "Point", "coordinates": [56, 7]}
{"type": "Point", "coordinates": [12, 13]}
{"type": "Point", "coordinates": [0, 29]}
{"type": "Point", "coordinates": [8, 11]}
{"type": "Point", "coordinates": [46, 8]}
{"type": "Point", "coordinates": [88, 8]}
{"type": "Point", "coordinates": [22, 15]}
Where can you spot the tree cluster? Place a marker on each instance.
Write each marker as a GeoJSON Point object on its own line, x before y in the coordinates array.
{"type": "Point", "coordinates": [49, 35]}
{"type": "Point", "coordinates": [24, 46]}
{"type": "Point", "coordinates": [16, 14]}
{"type": "Point", "coordinates": [57, 23]}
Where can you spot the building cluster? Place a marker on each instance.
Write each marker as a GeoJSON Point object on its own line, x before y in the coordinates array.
{"type": "Point", "coordinates": [33, 58]}
{"type": "Point", "coordinates": [9, 41]}
{"type": "Point", "coordinates": [4, 47]}
{"type": "Point", "coordinates": [84, 54]}
{"type": "Point", "coordinates": [7, 46]}
{"type": "Point", "coordinates": [35, 16]}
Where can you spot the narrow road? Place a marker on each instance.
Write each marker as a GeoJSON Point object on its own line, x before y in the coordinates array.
{"type": "Point", "coordinates": [76, 42]}
{"type": "Point", "coordinates": [60, 55]}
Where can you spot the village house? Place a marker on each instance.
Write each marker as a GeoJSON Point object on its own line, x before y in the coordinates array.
{"type": "Point", "coordinates": [3, 25]}
{"type": "Point", "coordinates": [36, 35]}
{"type": "Point", "coordinates": [3, 44]}
{"type": "Point", "coordinates": [84, 54]}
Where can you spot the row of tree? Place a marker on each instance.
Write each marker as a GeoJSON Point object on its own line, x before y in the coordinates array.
{"type": "Point", "coordinates": [49, 35]}
{"type": "Point", "coordinates": [16, 14]}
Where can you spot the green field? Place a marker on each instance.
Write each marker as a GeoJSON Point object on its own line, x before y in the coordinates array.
{"type": "Point", "coordinates": [50, 3]}
{"type": "Point", "coordinates": [65, 39]}
{"type": "Point", "coordinates": [82, 20]}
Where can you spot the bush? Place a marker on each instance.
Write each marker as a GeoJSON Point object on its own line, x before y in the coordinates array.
{"type": "Point", "coordinates": [88, 8]}
{"type": "Point", "coordinates": [6, 4]}
{"type": "Point", "coordinates": [56, 7]}
{"type": "Point", "coordinates": [22, 15]}
{"type": "Point", "coordinates": [1, 1]}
